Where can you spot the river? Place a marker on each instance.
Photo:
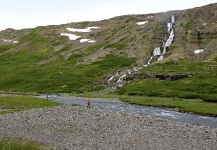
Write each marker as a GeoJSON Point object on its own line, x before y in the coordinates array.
{"type": "Point", "coordinates": [144, 110]}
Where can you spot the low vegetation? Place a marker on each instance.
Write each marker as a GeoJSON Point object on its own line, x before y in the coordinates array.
{"type": "Point", "coordinates": [9, 104]}
{"type": "Point", "coordinates": [45, 62]}
{"type": "Point", "coordinates": [201, 84]}
{"type": "Point", "coordinates": [59, 77]}
{"type": "Point", "coordinates": [6, 144]}
{"type": "Point", "coordinates": [196, 106]}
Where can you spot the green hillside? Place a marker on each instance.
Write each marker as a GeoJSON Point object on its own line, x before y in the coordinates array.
{"type": "Point", "coordinates": [41, 60]}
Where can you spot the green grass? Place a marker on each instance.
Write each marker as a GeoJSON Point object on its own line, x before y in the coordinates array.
{"type": "Point", "coordinates": [4, 48]}
{"type": "Point", "coordinates": [22, 75]}
{"type": "Point", "coordinates": [6, 144]}
{"type": "Point", "coordinates": [9, 104]}
{"type": "Point", "coordinates": [201, 85]}
{"type": "Point", "coordinates": [196, 106]}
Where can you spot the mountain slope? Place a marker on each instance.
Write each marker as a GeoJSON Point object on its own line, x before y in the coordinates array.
{"type": "Point", "coordinates": [44, 59]}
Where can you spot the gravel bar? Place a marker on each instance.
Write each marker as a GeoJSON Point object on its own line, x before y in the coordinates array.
{"type": "Point", "coordinates": [77, 127]}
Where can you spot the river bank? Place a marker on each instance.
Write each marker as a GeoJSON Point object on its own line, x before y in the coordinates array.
{"type": "Point", "coordinates": [81, 128]}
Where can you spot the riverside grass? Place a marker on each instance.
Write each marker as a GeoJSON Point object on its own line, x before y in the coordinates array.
{"type": "Point", "coordinates": [6, 144]}
{"type": "Point", "coordinates": [10, 104]}
{"type": "Point", "coordinates": [196, 106]}
{"type": "Point", "coordinates": [200, 85]}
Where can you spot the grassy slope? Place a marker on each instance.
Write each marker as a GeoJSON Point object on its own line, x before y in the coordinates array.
{"type": "Point", "coordinates": [22, 70]}
{"type": "Point", "coordinates": [202, 84]}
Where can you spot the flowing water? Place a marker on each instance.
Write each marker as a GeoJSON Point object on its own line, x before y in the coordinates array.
{"type": "Point", "coordinates": [169, 114]}
{"type": "Point", "coordinates": [144, 110]}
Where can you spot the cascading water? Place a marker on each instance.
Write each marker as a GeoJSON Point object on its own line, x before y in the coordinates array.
{"type": "Point", "coordinates": [119, 77]}
{"type": "Point", "coordinates": [167, 43]}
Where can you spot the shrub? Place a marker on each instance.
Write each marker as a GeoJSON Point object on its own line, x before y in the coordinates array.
{"type": "Point", "coordinates": [209, 98]}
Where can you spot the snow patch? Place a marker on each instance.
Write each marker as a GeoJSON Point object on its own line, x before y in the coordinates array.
{"type": "Point", "coordinates": [142, 23]}
{"type": "Point", "coordinates": [71, 36]}
{"type": "Point", "coordinates": [10, 41]}
{"type": "Point", "coordinates": [87, 40]}
{"type": "Point", "coordinates": [89, 29]}
{"type": "Point", "coordinates": [150, 16]}
{"type": "Point", "coordinates": [198, 51]}
{"type": "Point", "coordinates": [75, 37]}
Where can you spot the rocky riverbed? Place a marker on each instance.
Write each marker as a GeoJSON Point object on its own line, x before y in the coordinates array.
{"type": "Point", "coordinates": [77, 127]}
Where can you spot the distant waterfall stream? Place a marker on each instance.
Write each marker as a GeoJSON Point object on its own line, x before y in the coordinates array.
{"type": "Point", "coordinates": [166, 43]}
{"type": "Point", "coordinates": [119, 77]}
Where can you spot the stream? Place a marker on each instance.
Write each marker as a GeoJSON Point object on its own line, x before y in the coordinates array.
{"type": "Point", "coordinates": [143, 110]}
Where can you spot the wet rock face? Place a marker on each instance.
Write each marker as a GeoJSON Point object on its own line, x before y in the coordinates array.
{"type": "Point", "coordinates": [157, 76]}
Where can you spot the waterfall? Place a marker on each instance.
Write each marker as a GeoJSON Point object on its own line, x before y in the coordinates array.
{"type": "Point", "coordinates": [119, 78]}
{"type": "Point", "coordinates": [166, 43]}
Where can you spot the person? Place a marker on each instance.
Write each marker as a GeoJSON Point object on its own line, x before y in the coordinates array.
{"type": "Point", "coordinates": [88, 104]}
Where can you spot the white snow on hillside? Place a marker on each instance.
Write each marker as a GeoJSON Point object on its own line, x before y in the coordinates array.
{"type": "Point", "coordinates": [142, 23]}
{"type": "Point", "coordinates": [10, 41]}
{"type": "Point", "coordinates": [87, 40]}
{"type": "Point", "coordinates": [198, 51]}
{"type": "Point", "coordinates": [89, 29]}
{"type": "Point", "coordinates": [71, 36]}
{"type": "Point", "coordinates": [75, 37]}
